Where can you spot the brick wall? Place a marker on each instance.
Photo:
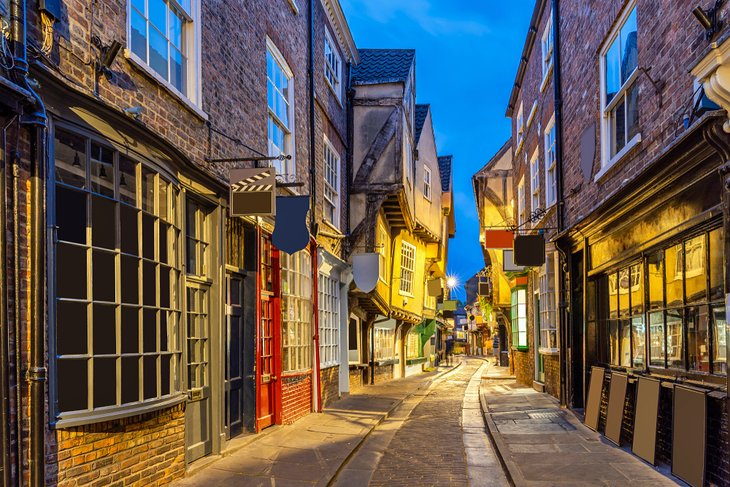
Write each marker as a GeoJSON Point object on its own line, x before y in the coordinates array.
{"type": "Point", "coordinates": [383, 373]}
{"type": "Point", "coordinates": [145, 451]}
{"type": "Point", "coordinates": [296, 397]}
{"type": "Point", "coordinates": [356, 380]}
{"type": "Point", "coordinates": [330, 384]}
{"type": "Point", "coordinates": [524, 365]}
{"type": "Point", "coordinates": [551, 365]}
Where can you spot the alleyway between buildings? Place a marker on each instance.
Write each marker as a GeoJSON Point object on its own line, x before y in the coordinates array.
{"type": "Point", "coordinates": [430, 430]}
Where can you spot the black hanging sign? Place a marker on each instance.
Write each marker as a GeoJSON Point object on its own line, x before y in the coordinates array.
{"type": "Point", "coordinates": [253, 192]}
{"type": "Point", "coordinates": [290, 228]}
{"type": "Point", "coordinates": [529, 250]}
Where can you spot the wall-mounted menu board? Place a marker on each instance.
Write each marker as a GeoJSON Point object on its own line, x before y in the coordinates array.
{"type": "Point", "coordinates": [689, 434]}
{"type": "Point", "coordinates": [645, 421]}
{"type": "Point", "coordinates": [616, 401]}
{"type": "Point", "coordinates": [593, 404]}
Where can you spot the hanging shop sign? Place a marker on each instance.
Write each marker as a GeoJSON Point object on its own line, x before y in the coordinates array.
{"type": "Point", "coordinates": [253, 192]}
{"type": "Point", "coordinates": [529, 250]}
{"type": "Point", "coordinates": [290, 229]}
{"type": "Point", "coordinates": [508, 259]}
{"type": "Point", "coordinates": [365, 270]}
{"type": "Point", "coordinates": [498, 239]}
{"type": "Point", "coordinates": [449, 305]}
{"type": "Point", "coordinates": [434, 288]}
{"type": "Point", "coordinates": [483, 289]}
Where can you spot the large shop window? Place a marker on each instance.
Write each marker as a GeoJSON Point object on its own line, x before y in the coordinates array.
{"type": "Point", "coordinates": [329, 320]}
{"type": "Point", "coordinates": [162, 36]}
{"type": "Point", "coordinates": [413, 345]}
{"type": "Point", "coordinates": [548, 315]}
{"type": "Point", "coordinates": [620, 92]}
{"type": "Point", "coordinates": [296, 311]}
{"type": "Point", "coordinates": [685, 313]}
{"type": "Point", "coordinates": [519, 318]}
{"type": "Point", "coordinates": [384, 343]}
{"type": "Point", "coordinates": [117, 283]}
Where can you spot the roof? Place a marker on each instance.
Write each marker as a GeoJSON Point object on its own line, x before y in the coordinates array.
{"type": "Point", "coordinates": [445, 171]}
{"type": "Point", "coordinates": [383, 66]}
{"type": "Point", "coordinates": [526, 53]}
{"type": "Point", "coordinates": [420, 116]}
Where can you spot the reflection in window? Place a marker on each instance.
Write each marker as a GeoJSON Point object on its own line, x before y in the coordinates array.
{"type": "Point", "coordinates": [107, 315]}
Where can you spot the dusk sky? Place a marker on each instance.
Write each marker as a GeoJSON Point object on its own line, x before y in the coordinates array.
{"type": "Point", "coordinates": [466, 60]}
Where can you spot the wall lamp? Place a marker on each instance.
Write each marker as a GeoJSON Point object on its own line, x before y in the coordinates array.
{"type": "Point", "coordinates": [107, 54]}
{"type": "Point", "coordinates": [709, 19]}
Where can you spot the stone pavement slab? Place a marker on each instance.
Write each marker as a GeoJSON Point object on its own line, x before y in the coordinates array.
{"type": "Point", "coordinates": [310, 451]}
{"type": "Point", "coordinates": [542, 444]}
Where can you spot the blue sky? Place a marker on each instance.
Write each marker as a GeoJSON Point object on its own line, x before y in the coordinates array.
{"type": "Point", "coordinates": [466, 60]}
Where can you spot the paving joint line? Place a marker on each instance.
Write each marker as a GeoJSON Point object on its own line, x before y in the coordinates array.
{"type": "Point", "coordinates": [427, 385]}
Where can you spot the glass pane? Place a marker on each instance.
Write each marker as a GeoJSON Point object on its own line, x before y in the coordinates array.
{"type": "Point", "coordinates": [629, 47]}
{"type": "Point", "coordinates": [613, 296]}
{"type": "Point", "coordinates": [71, 326]}
{"type": "Point", "coordinates": [70, 157]}
{"type": "Point", "coordinates": [162, 196]}
{"type": "Point", "coordinates": [102, 170]}
{"type": "Point", "coordinates": [104, 276]}
{"type": "Point", "coordinates": [624, 285]}
{"type": "Point", "coordinates": [164, 346]}
{"type": "Point", "coordinates": [158, 14]}
{"type": "Point", "coordinates": [71, 271]}
{"type": "Point", "coordinates": [127, 180]}
{"type": "Point", "coordinates": [149, 284]}
{"type": "Point", "coordinates": [130, 280]}
{"type": "Point", "coordinates": [618, 117]}
{"type": "Point", "coordinates": [192, 261]}
{"type": "Point", "coordinates": [673, 272]}
{"type": "Point", "coordinates": [164, 287]}
{"type": "Point", "coordinates": [139, 35]}
{"type": "Point", "coordinates": [105, 382]}
{"type": "Point", "coordinates": [130, 379]}
{"type": "Point", "coordinates": [675, 358]}
{"type": "Point", "coordinates": [148, 190]}
{"type": "Point", "coordinates": [104, 328]}
{"type": "Point", "coordinates": [103, 222]}
{"type": "Point", "coordinates": [175, 32]}
{"type": "Point", "coordinates": [130, 235]}
{"type": "Point", "coordinates": [716, 267]}
{"type": "Point", "coordinates": [656, 281]}
{"type": "Point", "coordinates": [698, 344]}
{"type": "Point", "coordinates": [657, 347]}
{"type": "Point", "coordinates": [625, 342]}
{"type": "Point", "coordinates": [613, 74]}
{"type": "Point", "coordinates": [165, 374]}
{"type": "Point", "coordinates": [149, 331]}
{"type": "Point", "coordinates": [158, 53]}
{"type": "Point", "coordinates": [632, 111]}
{"type": "Point", "coordinates": [162, 243]}
{"type": "Point", "coordinates": [73, 384]}
{"type": "Point", "coordinates": [694, 269]}
{"type": "Point", "coordinates": [719, 345]}
{"type": "Point", "coordinates": [177, 70]}
{"type": "Point", "coordinates": [150, 376]}
{"type": "Point", "coordinates": [191, 223]}
{"type": "Point", "coordinates": [638, 334]}
{"type": "Point", "coordinates": [637, 289]}
{"type": "Point", "coordinates": [148, 236]}
{"type": "Point", "coordinates": [613, 335]}
{"type": "Point", "coordinates": [71, 215]}
{"type": "Point", "coordinates": [130, 329]}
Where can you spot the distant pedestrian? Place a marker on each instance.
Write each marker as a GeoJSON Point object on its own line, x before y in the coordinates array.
{"type": "Point", "coordinates": [449, 351]}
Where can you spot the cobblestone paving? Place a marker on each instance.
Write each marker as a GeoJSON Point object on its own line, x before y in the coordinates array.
{"type": "Point", "coordinates": [428, 448]}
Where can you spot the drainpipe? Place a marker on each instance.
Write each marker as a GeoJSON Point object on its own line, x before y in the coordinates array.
{"type": "Point", "coordinates": [562, 292]}
{"type": "Point", "coordinates": [34, 117]}
{"type": "Point", "coordinates": [350, 141]}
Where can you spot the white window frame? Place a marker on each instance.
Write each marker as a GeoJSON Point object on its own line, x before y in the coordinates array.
{"type": "Point", "coordinates": [427, 183]}
{"type": "Point", "coordinates": [547, 279]}
{"type": "Point", "coordinates": [535, 180]}
{"type": "Point", "coordinates": [383, 251]}
{"type": "Point", "coordinates": [551, 183]}
{"type": "Point", "coordinates": [607, 160]}
{"type": "Point", "coordinates": [407, 268]}
{"type": "Point", "coordinates": [518, 314]}
{"type": "Point", "coordinates": [329, 321]}
{"type": "Point", "coordinates": [332, 191]}
{"type": "Point", "coordinates": [521, 204]}
{"type": "Point", "coordinates": [192, 98]}
{"type": "Point", "coordinates": [332, 65]}
{"type": "Point", "coordinates": [285, 169]}
{"type": "Point", "coordinates": [547, 45]}
{"type": "Point", "coordinates": [520, 127]}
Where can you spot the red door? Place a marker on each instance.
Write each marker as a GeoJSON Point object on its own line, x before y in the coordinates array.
{"type": "Point", "coordinates": [268, 336]}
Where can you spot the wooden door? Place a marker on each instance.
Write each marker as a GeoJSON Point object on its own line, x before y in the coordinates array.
{"type": "Point", "coordinates": [199, 438]}
{"type": "Point", "coordinates": [235, 356]}
{"type": "Point", "coordinates": [268, 337]}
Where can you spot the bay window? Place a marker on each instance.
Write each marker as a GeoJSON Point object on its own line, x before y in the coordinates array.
{"type": "Point", "coordinates": [619, 90]}
{"type": "Point", "coordinates": [329, 320]}
{"type": "Point", "coordinates": [116, 307]}
{"type": "Point", "coordinates": [519, 318]}
{"type": "Point", "coordinates": [296, 311]}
